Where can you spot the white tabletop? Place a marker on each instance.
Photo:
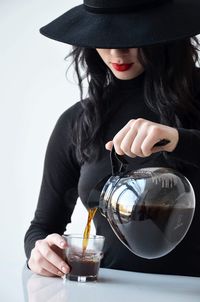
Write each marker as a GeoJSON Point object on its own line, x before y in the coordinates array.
{"type": "Point", "coordinates": [113, 285]}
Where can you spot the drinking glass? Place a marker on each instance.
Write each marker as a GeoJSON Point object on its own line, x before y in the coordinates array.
{"type": "Point", "coordinates": [84, 256]}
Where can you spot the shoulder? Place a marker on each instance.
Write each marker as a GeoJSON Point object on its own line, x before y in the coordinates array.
{"type": "Point", "coordinates": [65, 122]}
{"type": "Point", "coordinates": [70, 115]}
{"type": "Point", "coordinates": [67, 119]}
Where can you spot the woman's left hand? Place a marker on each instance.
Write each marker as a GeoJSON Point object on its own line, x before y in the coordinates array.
{"type": "Point", "coordinates": [138, 138]}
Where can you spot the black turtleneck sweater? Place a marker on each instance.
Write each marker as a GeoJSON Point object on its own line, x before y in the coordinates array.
{"type": "Point", "coordinates": [64, 179]}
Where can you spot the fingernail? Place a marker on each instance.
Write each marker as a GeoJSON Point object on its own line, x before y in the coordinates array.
{"type": "Point", "coordinates": [65, 270]}
{"type": "Point", "coordinates": [62, 243]}
{"type": "Point", "coordinates": [64, 277]}
{"type": "Point", "coordinates": [60, 273]}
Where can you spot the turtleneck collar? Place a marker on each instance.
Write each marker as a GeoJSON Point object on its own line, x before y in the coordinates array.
{"type": "Point", "coordinates": [127, 85]}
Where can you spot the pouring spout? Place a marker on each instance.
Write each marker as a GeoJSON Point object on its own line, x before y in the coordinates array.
{"type": "Point", "coordinates": [98, 196]}
{"type": "Point", "coordinates": [94, 196]}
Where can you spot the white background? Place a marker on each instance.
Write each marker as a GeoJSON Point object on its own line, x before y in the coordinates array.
{"type": "Point", "coordinates": [34, 92]}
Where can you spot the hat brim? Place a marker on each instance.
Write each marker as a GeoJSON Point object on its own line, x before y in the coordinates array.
{"type": "Point", "coordinates": [174, 20]}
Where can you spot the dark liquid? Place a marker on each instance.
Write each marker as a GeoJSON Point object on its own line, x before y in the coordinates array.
{"type": "Point", "coordinates": [152, 231]}
{"type": "Point", "coordinates": [86, 234]}
{"type": "Point", "coordinates": [81, 267]}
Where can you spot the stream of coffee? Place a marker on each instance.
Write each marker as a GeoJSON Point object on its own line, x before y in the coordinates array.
{"type": "Point", "coordinates": [84, 264]}
{"type": "Point", "coordinates": [86, 234]}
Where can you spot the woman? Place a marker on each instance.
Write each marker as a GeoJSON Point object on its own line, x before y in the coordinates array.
{"type": "Point", "coordinates": [140, 61]}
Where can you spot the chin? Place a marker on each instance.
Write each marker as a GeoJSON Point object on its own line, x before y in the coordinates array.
{"type": "Point", "coordinates": [125, 76]}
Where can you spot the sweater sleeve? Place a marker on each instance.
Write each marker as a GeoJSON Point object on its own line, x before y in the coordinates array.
{"type": "Point", "coordinates": [188, 147]}
{"type": "Point", "coordinates": [58, 193]}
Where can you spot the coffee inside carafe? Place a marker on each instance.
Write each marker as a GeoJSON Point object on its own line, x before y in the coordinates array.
{"type": "Point", "coordinates": [152, 231]}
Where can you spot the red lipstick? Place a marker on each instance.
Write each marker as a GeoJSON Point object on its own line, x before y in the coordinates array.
{"type": "Point", "coordinates": [121, 67]}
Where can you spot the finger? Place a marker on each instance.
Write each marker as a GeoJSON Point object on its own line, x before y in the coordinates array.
{"type": "Point", "coordinates": [49, 268]}
{"type": "Point", "coordinates": [117, 140]}
{"type": "Point", "coordinates": [128, 140]}
{"type": "Point", "coordinates": [38, 264]}
{"type": "Point", "coordinates": [136, 147]}
{"type": "Point", "coordinates": [109, 145]}
{"type": "Point", "coordinates": [148, 145]}
{"type": "Point", "coordinates": [56, 239]}
{"type": "Point", "coordinates": [51, 256]}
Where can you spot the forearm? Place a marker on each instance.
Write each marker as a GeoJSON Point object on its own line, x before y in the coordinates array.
{"type": "Point", "coordinates": [44, 224]}
{"type": "Point", "coordinates": [32, 235]}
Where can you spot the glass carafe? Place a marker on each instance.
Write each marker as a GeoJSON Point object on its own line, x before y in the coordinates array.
{"type": "Point", "coordinates": [150, 209]}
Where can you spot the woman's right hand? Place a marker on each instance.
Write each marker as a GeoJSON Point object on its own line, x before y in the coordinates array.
{"type": "Point", "coordinates": [47, 257]}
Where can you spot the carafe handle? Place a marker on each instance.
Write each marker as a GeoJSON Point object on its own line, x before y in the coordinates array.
{"type": "Point", "coordinates": [118, 162]}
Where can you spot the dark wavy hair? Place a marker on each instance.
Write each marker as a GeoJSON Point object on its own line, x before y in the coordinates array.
{"type": "Point", "coordinates": [169, 89]}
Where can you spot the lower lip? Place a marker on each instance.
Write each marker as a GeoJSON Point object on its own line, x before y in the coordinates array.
{"type": "Point", "coordinates": [121, 67]}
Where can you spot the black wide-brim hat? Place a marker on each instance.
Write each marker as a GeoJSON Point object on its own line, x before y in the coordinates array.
{"type": "Point", "coordinates": [125, 23]}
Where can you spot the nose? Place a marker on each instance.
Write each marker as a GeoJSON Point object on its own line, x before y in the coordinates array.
{"type": "Point", "coordinates": [119, 51]}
